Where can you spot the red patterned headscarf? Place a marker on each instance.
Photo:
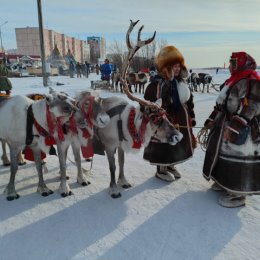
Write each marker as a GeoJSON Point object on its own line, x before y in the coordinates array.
{"type": "Point", "coordinates": [242, 66]}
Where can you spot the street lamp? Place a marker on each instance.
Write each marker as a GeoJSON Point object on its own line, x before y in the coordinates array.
{"type": "Point", "coordinates": [2, 48]}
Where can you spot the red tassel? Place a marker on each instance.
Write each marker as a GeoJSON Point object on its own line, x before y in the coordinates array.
{"type": "Point", "coordinates": [73, 126]}
{"type": "Point", "coordinates": [59, 130]}
{"type": "Point", "coordinates": [49, 141]}
{"type": "Point", "coordinates": [86, 133]}
{"type": "Point", "coordinates": [49, 121]}
{"type": "Point", "coordinates": [28, 154]}
{"type": "Point", "coordinates": [87, 151]}
{"type": "Point", "coordinates": [136, 145]}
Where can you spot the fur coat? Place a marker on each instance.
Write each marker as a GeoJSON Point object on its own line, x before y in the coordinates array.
{"type": "Point", "coordinates": [179, 106]}
{"type": "Point", "coordinates": [234, 163]}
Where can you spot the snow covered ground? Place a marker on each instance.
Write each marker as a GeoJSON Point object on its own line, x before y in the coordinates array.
{"type": "Point", "coordinates": [152, 220]}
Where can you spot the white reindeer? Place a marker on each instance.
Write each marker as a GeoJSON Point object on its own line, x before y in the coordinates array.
{"type": "Point", "coordinates": [131, 127]}
{"type": "Point", "coordinates": [79, 133]}
{"type": "Point", "coordinates": [13, 111]}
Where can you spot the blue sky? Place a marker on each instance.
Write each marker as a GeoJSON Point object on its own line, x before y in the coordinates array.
{"type": "Point", "coordinates": [205, 31]}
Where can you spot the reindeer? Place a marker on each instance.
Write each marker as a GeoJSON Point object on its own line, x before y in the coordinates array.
{"type": "Point", "coordinates": [141, 80]}
{"type": "Point", "coordinates": [78, 132]}
{"type": "Point", "coordinates": [204, 79]}
{"type": "Point", "coordinates": [193, 81]}
{"type": "Point", "coordinates": [138, 80]}
{"type": "Point", "coordinates": [48, 113]}
{"type": "Point", "coordinates": [132, 127]}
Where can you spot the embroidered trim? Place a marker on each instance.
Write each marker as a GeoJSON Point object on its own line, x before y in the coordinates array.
{"type": "Point", "coordinates": [137, 136]}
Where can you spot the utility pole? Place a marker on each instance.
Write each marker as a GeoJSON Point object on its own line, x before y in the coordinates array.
{"type": "Point", "coordinates": [2, 47]}
{"type": "Point", "coordinates": [44, 74]}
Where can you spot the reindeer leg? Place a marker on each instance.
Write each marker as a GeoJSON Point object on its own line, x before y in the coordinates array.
{"type": "Point", "coordinates": [122, 181]}
{"type": "Point", "coordinates": [10, 191]}
{"type": "Point", "coordinates": [81, 178]}
{"type": "Point", "coordinates": [114, 192]}
{"type": "Point", "coordinates": [4, 157]}
{"type": "Point", "coordinates": [64, 187]}
{"type": "Point", "coordinates": [42, 187]}
{"type": "Point", "coordinates": [21, 160]}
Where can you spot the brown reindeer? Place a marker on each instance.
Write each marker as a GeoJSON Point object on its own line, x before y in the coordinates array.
{"type": "Point", "coordinates": [138, 80]}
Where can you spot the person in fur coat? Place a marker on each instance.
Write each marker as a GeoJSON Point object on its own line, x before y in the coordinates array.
{"type": "Point", "coordinates": [5, 83]}
{"type": "Point", "coordinates": [232, 157]}
{"type": "Point", "coordinates": [178, 103]}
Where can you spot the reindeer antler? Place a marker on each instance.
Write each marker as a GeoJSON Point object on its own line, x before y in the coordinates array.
{"type": "Point", "coordinates": [131, 52]}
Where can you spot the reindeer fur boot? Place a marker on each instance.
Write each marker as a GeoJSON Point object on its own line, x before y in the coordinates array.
{"type": "Point", "coordinates": [163, 174]}
{"type": "Point", "coordinates": [174, 171]}
{"type": "Point", "coordinates": [229, 200]}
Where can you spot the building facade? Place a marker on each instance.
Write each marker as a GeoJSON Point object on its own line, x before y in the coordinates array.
{"type": "Point", "coordinates": [28, 43]}
{"type": "Point", "coordinates": [97, 48]}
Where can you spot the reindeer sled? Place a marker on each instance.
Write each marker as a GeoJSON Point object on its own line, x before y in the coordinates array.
{"type": "Point", "coordinates": [100, 84]}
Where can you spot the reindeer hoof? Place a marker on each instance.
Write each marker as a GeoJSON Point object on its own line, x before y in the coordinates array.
{"type": "Point", "coordinates": [84, 183]}
{"type": "Point", "coordinates": [47, 193]}
{"type": "Point", "coordinates": [126, 186]}
{"type": "Point", "coordinates": [115, 196]}
{"type": "Point", "coordinates": [65, 194]}
{"type": "Point", "coordinates": [7, 164]}
{"type": "Point", "coordinates": [10, 198]}
{"type": "Point", "coordinates": [21, 163]}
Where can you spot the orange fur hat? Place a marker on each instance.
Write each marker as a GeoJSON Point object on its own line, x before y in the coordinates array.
{"type": "Point", "coordinates": [168, 56]}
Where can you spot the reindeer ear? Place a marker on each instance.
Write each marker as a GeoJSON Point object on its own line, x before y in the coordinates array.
{"type": "Point", "coordinates": [62, 97]}
{"type": "Point", "coordinates": [49, 98]}
{"type": "Point", "coordinates": [51, 90]}
{"type": "Point", "coordinates": [159, 102]}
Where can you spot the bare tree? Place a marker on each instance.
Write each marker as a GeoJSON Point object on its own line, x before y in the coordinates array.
{"type": "Point", "coordinates": [144, 58]}
{"type": "Point", "coordinates": [117, 53]}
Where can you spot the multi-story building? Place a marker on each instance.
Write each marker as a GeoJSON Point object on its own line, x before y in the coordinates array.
{"type": "Point", "coordinates": [97, 48]}
{"type": "Point", "coordinates": [28, 43]}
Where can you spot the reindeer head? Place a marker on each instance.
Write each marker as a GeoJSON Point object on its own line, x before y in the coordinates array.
{"type": "Point", "coordinates": [90, 111]}
{"type": "Point", "coordinates": [160, 125]}
{"type": "Point", "coordinates": [60, 104]}
{"type": "Point", "coordinates": [162, 128]}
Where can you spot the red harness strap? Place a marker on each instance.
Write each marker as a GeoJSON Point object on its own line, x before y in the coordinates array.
{"type": "Point", "coordinates": [88, 114]}
{"type": "Point", "coordinates": [137, 136]}
{"type": "Point", "coordinates": [51, 126]}
{"type": "Point", "coordinates": [49, 140]}
{"type": "Point", "coordinates": [87, 151]}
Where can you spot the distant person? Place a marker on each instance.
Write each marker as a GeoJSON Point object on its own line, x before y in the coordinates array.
{"type": "Point", "coordinates": [217, 71]}
{"type": "Point", "coordinates": [231, 158]}
{"type": "Point", "coordinates": [105, 70]}
{"type": "Point", "coordinates": [71, 69]}
{"type": "Point", "coordinates": [78, 70]}
{"type": "Point", "coordinates": [87, 68]}
{"type": "Point", "coordinates": [97, 68]}
{"type": "Point", "coordinates": [5, 83]}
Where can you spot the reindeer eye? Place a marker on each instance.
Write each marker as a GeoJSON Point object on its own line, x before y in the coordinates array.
{"type": "Point", "coordinates": [67, 108]}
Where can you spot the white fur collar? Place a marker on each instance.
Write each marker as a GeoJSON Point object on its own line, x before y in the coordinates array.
{"type": "Point", "coordinates": [222, 95]}
{"type": "Point", "coordinates": [184, 92]}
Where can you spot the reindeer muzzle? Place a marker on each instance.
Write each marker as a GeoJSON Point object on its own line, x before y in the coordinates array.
{"type": "Point", "coordinates": [102, 120]}
{"type": "Point", "coordinates": [176, 138]}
